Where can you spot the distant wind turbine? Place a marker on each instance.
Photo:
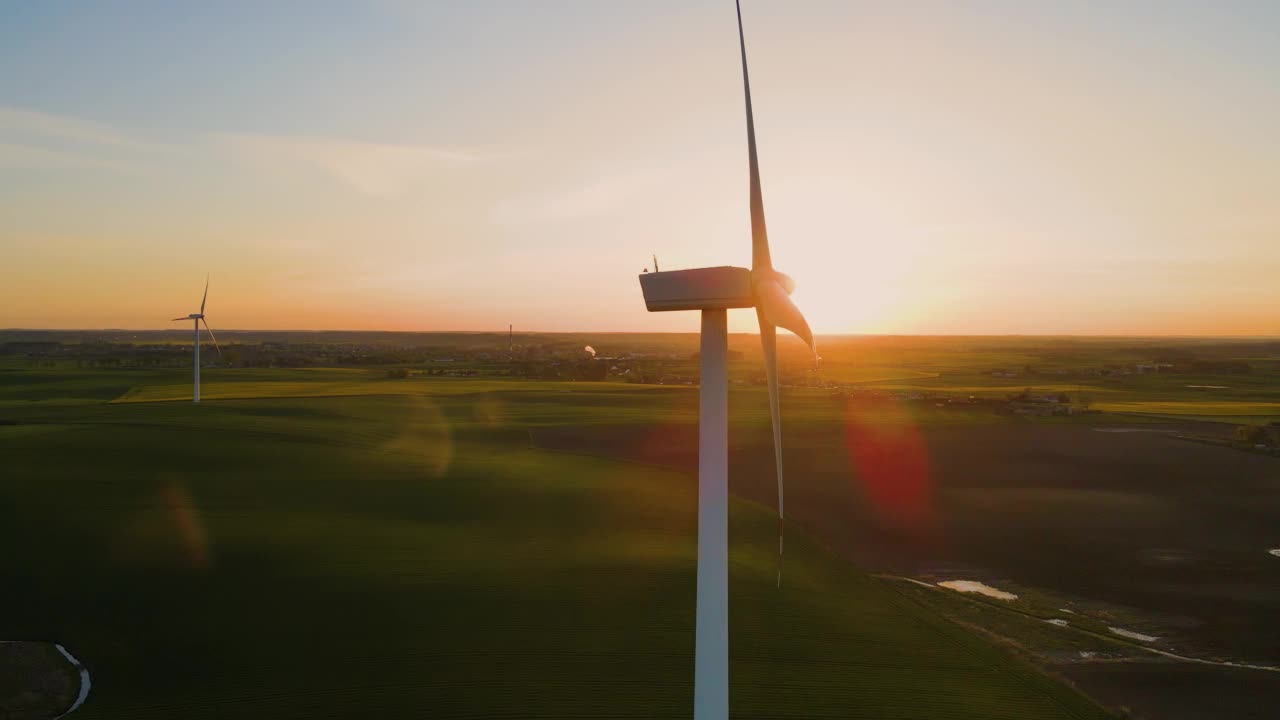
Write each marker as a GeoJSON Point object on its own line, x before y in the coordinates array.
{"type": "Point", "coordinates": [713, 291]}
{"type": "Point", "coordinates": [198, 318]}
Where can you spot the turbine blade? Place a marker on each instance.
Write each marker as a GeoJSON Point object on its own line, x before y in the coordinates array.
{"type": "Point", "coordinates": [211, 337]}
{"type": "Point", "coordinates": [785, 281]}
{"type": "Point", "coordinates": [181, 318]}
{"type": "Point", "coordinates": [769, 344]}
{"type": "Point", "coordinates": [759, 234]}
{"type": "Point", "coordinates": [777, 310]}
{"type": "Point", "coordinates": [206, 294]}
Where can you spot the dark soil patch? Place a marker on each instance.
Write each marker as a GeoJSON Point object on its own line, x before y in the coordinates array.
{"type": "Point", "coordinates": [1168, 691]}
{"type": "Point", "coordinates": [36, 682]}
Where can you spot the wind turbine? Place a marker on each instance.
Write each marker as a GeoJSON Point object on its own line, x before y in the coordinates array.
{"type": "Point", "coordinates": [198, 318]}
{"type": "Point", "coordinates": [713, 291]}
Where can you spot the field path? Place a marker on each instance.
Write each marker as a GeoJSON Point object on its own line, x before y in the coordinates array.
{"type": "Point", "coordinates": [1084, 631]}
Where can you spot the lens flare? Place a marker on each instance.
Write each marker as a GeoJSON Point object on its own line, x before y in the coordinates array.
{"type": "Point", "coordinates": [166, 532]}
{"type": "Point", "coordinates": [890, 459]}
{"type": "Point", "coordinates": [186, 519]}
{"type": "Point", "coordinates": [425, 434]}
{"type": "Point", "coordinates": [489, 411]}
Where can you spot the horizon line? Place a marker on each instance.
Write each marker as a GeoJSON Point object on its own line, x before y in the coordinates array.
{"type": "Point", "coordinates": [658, 332]}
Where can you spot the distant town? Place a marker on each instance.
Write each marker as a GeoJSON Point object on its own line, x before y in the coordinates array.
{"type": "Point", "coordinates": [641, 359]}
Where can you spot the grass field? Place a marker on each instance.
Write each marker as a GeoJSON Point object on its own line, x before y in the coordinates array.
{"type": "Point", "coordinates": [1202, 408]}
{"type": "Point", "coordinates": [946, 365]}
{"type": "Point", "coordinates": [399, 548]}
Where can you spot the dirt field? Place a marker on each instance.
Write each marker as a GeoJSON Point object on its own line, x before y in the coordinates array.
{"type": "Point", "coordinates": [1180, 692]}
{"type": "Point", "coordinates": [1168, 536]}
{"type": "Point", "coordinates": [36, 682]}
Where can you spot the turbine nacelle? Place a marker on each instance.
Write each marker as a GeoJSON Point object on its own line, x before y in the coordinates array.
{"type": "Point", "coordinates": [712, 288]}
{"type": "Point", "coordinates": [726, 287]}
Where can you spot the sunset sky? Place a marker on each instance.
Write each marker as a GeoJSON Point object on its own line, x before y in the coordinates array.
{"type": "Point", "coordinates": [929, 167]}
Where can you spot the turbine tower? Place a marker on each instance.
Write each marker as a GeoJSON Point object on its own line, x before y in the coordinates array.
{"type": "Point", "coordinates": [197, 318]}
{"type": "Point", "coordinates": [713, 291]}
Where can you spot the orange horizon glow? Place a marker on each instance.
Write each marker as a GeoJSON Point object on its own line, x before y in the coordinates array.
{"type": "Point", "coordinates": [947, 171]}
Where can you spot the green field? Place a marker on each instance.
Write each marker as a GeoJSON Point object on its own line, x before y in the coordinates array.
{"type": "Point", "coordinates": [1210, 408]}
{"type": "Point", "coordinates": [401, 549]}
{"type": "Point", "coordinates": [1098, 372]}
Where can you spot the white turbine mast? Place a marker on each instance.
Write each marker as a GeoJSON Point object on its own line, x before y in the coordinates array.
{"type": "Point", "coordinates": [713, 291]}
{"type": "Point", "coordinates": [197, 318]}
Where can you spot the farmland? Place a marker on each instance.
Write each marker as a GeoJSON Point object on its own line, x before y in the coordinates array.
{"type": "Point", "coordinates": [378, 554]}
{"type": "Point", "coordinates": [1138, 518]}
{"type": "Point", "coordinates": [1232, 380]}
{"type": "Point", "coordinates": [482, 538]}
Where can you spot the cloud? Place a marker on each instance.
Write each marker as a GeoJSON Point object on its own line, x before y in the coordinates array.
{"type": "Point", "coordinates": [597, 197]}
{"type": "Point", "coordinates": [30, 139]}
{"type": "Point", "coordinates": [25, 157]}
{"type": "Point", "coordinates": [33, 139]}
{"type": "Point", "coordinates": [378, 169]}
{"type": "Point", "coordinates": [31, 123]}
